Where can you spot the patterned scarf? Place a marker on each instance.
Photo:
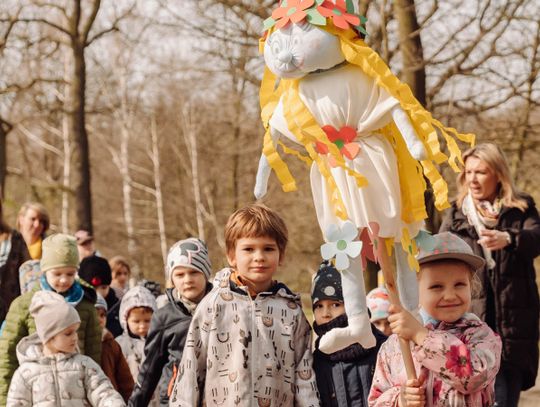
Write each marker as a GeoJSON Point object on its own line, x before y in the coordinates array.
{"type": "Point", "coordinates": [482, 222]}
{"type": "Point", "coordinates": [73, 296]}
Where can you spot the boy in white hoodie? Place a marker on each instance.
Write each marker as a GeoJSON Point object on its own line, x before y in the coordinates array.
{"type": "Point", "coordinates": [51, 370]}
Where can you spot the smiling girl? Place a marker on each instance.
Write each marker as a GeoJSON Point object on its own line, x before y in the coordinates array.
{"type": "Point", "coordinates": [456, 355]}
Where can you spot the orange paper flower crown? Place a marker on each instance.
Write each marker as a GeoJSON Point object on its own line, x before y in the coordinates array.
{"type": "Point", "coordinates": [317, 12]}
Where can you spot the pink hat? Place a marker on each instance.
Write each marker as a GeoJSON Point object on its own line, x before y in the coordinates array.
{"type": "Point", "coordinates": [378, 303]}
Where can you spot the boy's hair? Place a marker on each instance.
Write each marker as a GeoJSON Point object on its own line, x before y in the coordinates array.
{"type": "Point", "coordinates": [255, 220]}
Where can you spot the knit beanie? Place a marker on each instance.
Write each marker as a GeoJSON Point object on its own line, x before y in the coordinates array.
{"type": "Point", "coordinates": [52, 314]}
{"type": "Point", "coordinates": [378, 303]}
{"type": "Point", "coordinates": [95, 270]}
{"type": "Point", "coordinates": [135, 297]}
{"type": "Point", "coordinates": [59, 250]}
{"type": "Point", "coordinates": [191, 253]}
{"type": "Point", "coordinates": [326, 284]}
{"type": "Point", "coordinates": [101, 303]}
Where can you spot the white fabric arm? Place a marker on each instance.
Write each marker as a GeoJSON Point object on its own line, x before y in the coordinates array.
{"type": "Point", "coordinates": [264, 170]}
{"type": "Point", "coordinates": [415, 146]}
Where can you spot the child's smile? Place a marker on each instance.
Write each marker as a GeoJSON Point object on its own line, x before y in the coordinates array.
{"type": "Point", "coordinates": [445, 289]}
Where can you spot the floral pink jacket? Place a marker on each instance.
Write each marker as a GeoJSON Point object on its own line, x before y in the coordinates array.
{"type": "Point", "coordinates": [458, 360]}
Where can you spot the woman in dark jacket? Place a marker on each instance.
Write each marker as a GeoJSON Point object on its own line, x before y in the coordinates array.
{"type": "Point", "coordinates": [13, 253]}
{"type": "Point", "coordinates": [503, 226]}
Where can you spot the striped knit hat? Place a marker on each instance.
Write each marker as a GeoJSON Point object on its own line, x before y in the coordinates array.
{"type": "Point", "coordinates": [191, 253]}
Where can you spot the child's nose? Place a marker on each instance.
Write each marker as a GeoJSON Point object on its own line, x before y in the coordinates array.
{"type": "Point", "coordinates": [449, 294]}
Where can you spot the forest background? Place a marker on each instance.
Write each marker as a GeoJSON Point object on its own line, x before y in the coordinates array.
{"type": "Point", "coordinates": [139, 120]}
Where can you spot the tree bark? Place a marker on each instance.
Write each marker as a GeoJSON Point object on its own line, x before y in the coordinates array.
{"type": "Point", "coordinates": [77, 121]}
{"type": "Point", "coordinates": [4, 130]}
{"type": "Point", "coordinates": [410, 45]}
{"type": "Point", "coordinates": [414, 75]}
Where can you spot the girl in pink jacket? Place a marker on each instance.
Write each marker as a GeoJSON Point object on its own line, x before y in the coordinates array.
{"type": "Point", "coordinates": [456, 355]}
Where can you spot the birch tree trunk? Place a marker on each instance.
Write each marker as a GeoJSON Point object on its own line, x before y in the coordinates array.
{"type": "Point", "coordinates": [189, 132]}
{"type": "Point", "coordinates": [157, 183]}
{"type": "Point", "coordinates": [67, 154]}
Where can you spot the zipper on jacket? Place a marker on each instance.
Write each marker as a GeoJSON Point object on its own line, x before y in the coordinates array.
{"type": "Point", "coordinates": [56, 385]}
{"type": "Point", "coordinates": [253, 334]}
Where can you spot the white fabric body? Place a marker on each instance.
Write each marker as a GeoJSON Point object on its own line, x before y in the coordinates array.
{"type": "Point", "coordinates": [345, 96]}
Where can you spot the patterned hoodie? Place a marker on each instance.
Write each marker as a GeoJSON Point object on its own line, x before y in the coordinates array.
{"type": "Point", "coordinates": [132, 345]}
{"type": "Point", "coordinates": [459, 361]}
{"type": "Point", "coordinates": [244, 351]}
{"type": "Point", "coordinates": [66, 379]}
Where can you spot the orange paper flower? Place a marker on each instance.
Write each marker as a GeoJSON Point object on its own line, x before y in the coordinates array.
{"type": "Point", "coordinates": [294, 11]}
{"type": "Point", "coordinates": [338, 13]}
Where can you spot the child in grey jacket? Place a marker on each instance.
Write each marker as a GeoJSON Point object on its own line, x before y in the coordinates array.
{"type": "Point", "coordinates": [51, 370]}
{"type": "Point", "coordinates": [249, 342]}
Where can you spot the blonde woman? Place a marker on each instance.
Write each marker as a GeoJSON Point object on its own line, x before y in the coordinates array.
{"type": "Point", "coordinates": [121, 272]}
{"type": "Point", "coordinates": [502, 225]}
{"type": "Point", "coordinates": [32, 223]}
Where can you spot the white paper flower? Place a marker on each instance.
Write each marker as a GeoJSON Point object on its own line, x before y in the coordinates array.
{"type": "Point", "coordinates": [341, 244]}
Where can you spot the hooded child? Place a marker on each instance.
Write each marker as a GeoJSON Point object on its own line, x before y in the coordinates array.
{"type": "Point", "coordinates": [136, 309]}
{"type": "Point", "coordinates": [51, 369]}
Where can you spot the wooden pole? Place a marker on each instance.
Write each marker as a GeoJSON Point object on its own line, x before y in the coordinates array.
{"type": "Point", "coordinates": [387, 267]}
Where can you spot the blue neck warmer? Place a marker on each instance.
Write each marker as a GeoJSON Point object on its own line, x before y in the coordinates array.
{"type": "Point", "coordinates": [73, 296]}
{"type": "Point", "coordinates": [428, 319]}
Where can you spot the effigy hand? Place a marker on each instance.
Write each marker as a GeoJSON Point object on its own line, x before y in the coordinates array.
{"type": "Point", "coordinates": [261, 182]}
{"type": "Point", "coordinates": [414, 145]}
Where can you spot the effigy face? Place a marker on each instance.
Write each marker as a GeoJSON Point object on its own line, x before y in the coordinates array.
{"type": "Point", "coordinates": [295, 50]}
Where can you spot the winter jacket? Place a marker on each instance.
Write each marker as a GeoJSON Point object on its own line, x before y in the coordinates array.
{"type": "Point", "coordinates": [459, 361]}
{"type": "Point", "coordinates": [508, 300]}
{"type": "Point", "coordinates": [113, 314]}
{"type": "Point", "coordinates": [70, 380]}
{"type": "Point", "coordinates": [132, 345]}
{"type": "Point", "coordinates": [163, 351]}
{"type": "Point", "coordinates": [19, 323]}
{"type": "Point", "coordinates": [9, 273]}
{"type": "Point", "coordinates": [115, 367]}
{"type": "Point", "coordinates": [344, 377]}
{"type": "Point", "coordinates": [133, 350]}
{"type": "Point", "coordinates": [244, 351]}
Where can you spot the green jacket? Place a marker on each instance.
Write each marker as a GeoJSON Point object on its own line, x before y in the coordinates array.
{"type": "Point", "coordinates": [19, 323]}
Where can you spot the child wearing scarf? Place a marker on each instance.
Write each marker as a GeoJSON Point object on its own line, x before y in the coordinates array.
{"type": "Point", "coordinates": [343, 377]}
{"type": "Point", "coordinates": [59, 264]}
